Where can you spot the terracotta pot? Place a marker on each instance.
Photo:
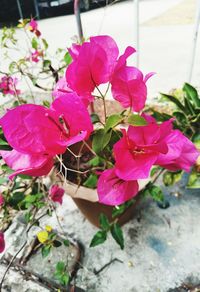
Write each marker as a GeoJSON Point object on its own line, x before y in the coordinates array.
{"type": "Point", "coordinates": [87, 201]}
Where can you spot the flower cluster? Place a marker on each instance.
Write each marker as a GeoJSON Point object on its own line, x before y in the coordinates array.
{"type": "Point", "coordinates": [38, 134]}
{"type": "Point", "coordinates": [8, 85]}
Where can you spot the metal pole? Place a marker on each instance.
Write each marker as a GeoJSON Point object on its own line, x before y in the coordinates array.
{"type": "Point", "coordinates": [78, 20]}
{"type": "Point", "coordinates": [37, 9]}
{"type": "Point", "coordinates": [195, 37]}
{"type": "Point", "coordinates": [19, 9]}
{"type": "Point", "coordinates": [136, 29]}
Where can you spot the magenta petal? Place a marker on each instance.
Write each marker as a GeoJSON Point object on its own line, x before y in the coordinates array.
{"type": "Point", "coordinates": [33, 165]}
{"type": "Point", "coordinates": [61, 86]}
{"type": "Point", "coordinates": [34, 129]}
{"type": "Point", "coordinates": [122, 59]}
{"type": "Point", "coordinates": [93, 65]}
{"type": "Point", "coordinates": [77, 119]}
{"type": "Point", "coordinates": [114, 191]}
{"type": "Point", "coordinates": [56, 194]}
{"type": "Point", "coordinates": [129, 88]}
{"type": "Point", "coordinates": [130, 166]}
{"type": "Point", "coordinates": [149, 75]}
{"type": "Point", "coordinates": [2, 242]}
{"type": "Point", "coordinates": [182, 153]}
{"type": "Point", "coordinates": [74, 51]}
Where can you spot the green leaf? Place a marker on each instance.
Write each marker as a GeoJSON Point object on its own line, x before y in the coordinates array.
{"type": "Point", "coordinates": [67, 58]}
{"type": "Point", "coordinates": [46, 250]}
{"type": "Point", "coordinates": [180, 117]}
{"type": "Point", "coordinates": [104, 222]}
{"type": "Point", "coordinates": [45, 44]}
{"type": "Point", "coordinates": [57, 243]}
{"type": "Point", "coordinates": [28, 216]}
{"type": "Point", "coordinates": [46, 103]}
{"type": "Point", "coordinates": [170, 178]}
{"type": "Point", "coordinates": [175, 101]}
{"type": "Point", "coordinates": [155, 170]}
{"type": "Point", "coordinates": [15, 199]}
{"type": "Point", "coordinates": [60, 267]}
{"type": "Point", "coordinates": [156, 193]}
{"type": "Point", "coordinates": [64, 280]}
{"type": "Point", "coordinates": [117, 234]}
{"type": "Point", "coordinates": [46, 63]}
{"type": "Point", "coordinates": [2, 142]}
{"type": "Point", "coordinates": [91, 182]}
{"type": "Point", "coordinates": [3, 180]}
{"type": "Point", "coordinates": [191, 94]}
{"type": "Point", "coordinates": [196, 140]}
{"type": "Point", "coordinates": [34, 43]}
{"type": "Point", "coordinates": [66, 242]}
{"type": "Point", "coordinates": [194, 180]}
{"type": "Point", "coordinates": [189, 106]}
{"type": "Point", "coordinates": [99, 238]}
{"type": "Point", "coordinates": [100, 140]}
{"type": "Point", "coordinates": [7, 169]}
{"type": "Point", "coordinates": [160, 117]}
{"type": "Point", "coordinates": [96, 161]}
{"type": "Point", "coordinates": [95, 118]}
{"type": "Point", "coordinates": [136, 120]}
{"type": "Point", "coordinates": [118, 210]}
{"type": "Point", "coordinates": [112, 121]}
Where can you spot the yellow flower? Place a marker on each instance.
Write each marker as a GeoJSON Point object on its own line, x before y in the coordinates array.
{"type": "Point", "coordinates": [48, 228]}
{"type": "Point", "coordinates": [42, 236]}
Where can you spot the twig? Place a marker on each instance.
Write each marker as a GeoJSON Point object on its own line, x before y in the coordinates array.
{"type": "Point", "coordinates": [96, 272]}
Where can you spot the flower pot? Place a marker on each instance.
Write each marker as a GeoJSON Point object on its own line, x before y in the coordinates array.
{"type": "Point", "coordinates": [87, 201]}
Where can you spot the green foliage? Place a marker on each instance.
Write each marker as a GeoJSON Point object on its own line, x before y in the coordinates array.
{"type": "Point", "coordinates": [118, 210]}
{"type": "Point", "coordinates": [67, 58]}
{"type": "Point", "coordinates": [46, 249]}
{"type": "Point", "coordinates": [34, 43]}
{"type": "Point", "coordinates": [99, 238]}
{"type": "Point", "coordinates": [61, 273]}
{"type": "Point", "coordinates": [95, 118]}
{"type": "Point", "coordinates": [170, 178]}
{"type": "Point", "coordinates": [194, 180]}
{"type": "Point", "coordinates": [112, 121]}
{"type": "Point", "coordinates": [117, 234]}
{"type": "Point", "coordinates": [155, 192]}
{"type": "Point", "coordinates": [91, 182]}
{"type": "Point", "coordinates": [106, 227]}
{"type": "Point", "coordinates": [100, 140]}
{"type": "Point", "coordinates": [104, 222]}
{"type": "Point", "coordinates": [136, 120]}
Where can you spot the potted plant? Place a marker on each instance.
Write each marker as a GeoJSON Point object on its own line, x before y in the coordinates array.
{"type": "Point", "coordinates": [113, 154]}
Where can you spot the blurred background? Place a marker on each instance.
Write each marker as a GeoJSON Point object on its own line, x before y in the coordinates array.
{"type": "Point", "coordinates": [165, 29]}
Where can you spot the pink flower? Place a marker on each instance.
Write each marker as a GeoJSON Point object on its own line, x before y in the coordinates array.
{"type": "Point", "coordinates": [35, 56]}
{"type": "Point", "coordinates": [56, 194]}
{"type": "Point", "coordinates": [114, 191]}
{"type": "Point", "coordinates": [139, 148]}
{"type": "Point", "coordinates": [29, 164]}
{"type": "Point", "coordinates": [128, 84]}
{"type": "Point", "coordinates": [182, 153]}
{"type": "Point", "coordinates": [62, 87]}
{"type": "Point", "coordinates": [93, 64]}
{"type": "Point", "coordinates": [2, 242]}
{"type": "Point", "coordinates": [75, 115]}
{"type": "Point", "coordinates": [37, 134]}
{"type": "Point", "coordinates": [33, 27]}
{"type": "Point", "coordinates": [1, 200]}
{"type": "Point", "coordinates": [8, 85]}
